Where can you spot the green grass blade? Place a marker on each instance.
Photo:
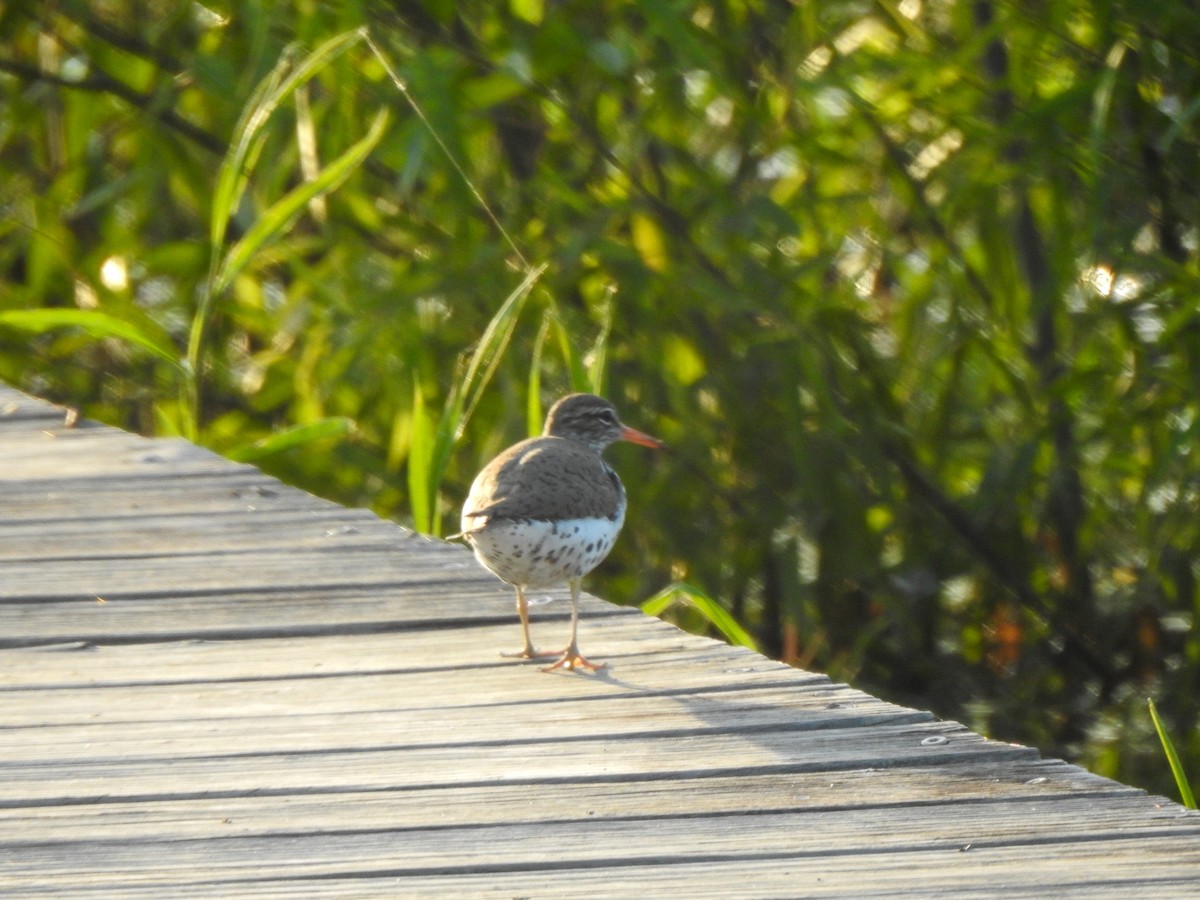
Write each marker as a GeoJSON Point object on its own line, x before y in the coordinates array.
{"type": "Point", "coordinates": [442, 439]}
{"type": "Point", "coordinates": [575, 368]}
{"type": "Point", "coordinates": [285, 77]}
{"type": "Point", "coordinates": [438, 443]}
{"type": "Point", "coordinates": [490, 349]}
{"type": "Point", "coordinates": [1102, 103]}
{"type": "Point", "coordinates": [465, 394]}
{"type": "Point", "coordinates": [232, 177]}
{"type": "Point", "coordinates": [712, 611]}
{"type": "Point", "coordinates": [533, 390]}
{"type": "Point", "coordinates": [1185, 789]}
{"type": "Point", "coordinates": [421, 497]}
{"type": "Point", "coordinates": [95, 323]}
{"type": "Point", "coordinates": [239, 160]}
{"type": "Point", "coordinates": [419, 110]}
{"type": "Point", "coordinates": [293, 437]}
{"type": "Point", "coordinates": [280, 214]}
{"type": "Point", "coordinates": [598, 361]}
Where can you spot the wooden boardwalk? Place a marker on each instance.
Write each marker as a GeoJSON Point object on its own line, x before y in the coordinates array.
{"type": "Point", "coordinates": [212, 684]}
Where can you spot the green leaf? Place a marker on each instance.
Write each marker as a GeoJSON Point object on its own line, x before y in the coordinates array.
{"type": "Point", "coordinates": [712, 611]}
{"type": "Point", "coordinates": [95, 323]}
{"type": "Point", "coordinates": [682, 360]}
{"type": "Point", "coordinates": [598, 361]}
{"type": "Point", "coordinates": [496, 336]}
{"type": "Point", "coordinates": [437, 444]}
{"type": "Point", "coordinates": [491, 90]}
{"type": "Point", "coordinates": [243, 153]}
{"type": "Point", "coordinates": [231, 180]}
{"type": "Point", "coordinates": [533, 389]}
{"type": "Point", "coordinates": [531, 11]}
{"type": "Point", "coordinates": [488, 353]}
{"type": "Point", "coordinates": [575, 368]}
{"type": "Point", "coordinates": [1185, 789]}
{"type": "Point", "coordinates": [649, 241]}
{"type": "Point", "coordinates": [285, 77]}
{"type": "Point", "coordinates": [421, 498]}
{"type": "Point", "coordinates": [279, 216]}
{"type": "Point", "coordinates": [1102, 103]}
{"type": "Point", "coordinates": [290, 438]}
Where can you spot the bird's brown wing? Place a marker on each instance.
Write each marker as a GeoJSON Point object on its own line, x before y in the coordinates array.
{"type": "Point", "coordinates": [544, 478]}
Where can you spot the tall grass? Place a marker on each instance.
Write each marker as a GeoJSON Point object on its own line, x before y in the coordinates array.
{"type": "Point", "coordinates": [289, 76]}
{"type": "Point", "coordinates": [432, 443]}
{"type": "Point", "coordinates": [145, 334]}
{"type": "Point", "coordinates": [707, 608]}
{"type": "Point", "coordinates": [1181, 781]}
{"type": "Point", "coordinates": [585, 372]}
{"type": "Point", "coordinates": [293, 437]}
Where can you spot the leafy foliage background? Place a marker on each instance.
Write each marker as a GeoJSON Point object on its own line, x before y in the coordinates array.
{"type": "Point", "coordinates": [909, 287]}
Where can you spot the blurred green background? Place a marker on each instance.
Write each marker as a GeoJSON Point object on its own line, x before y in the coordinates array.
{"type": "Point", "coordinates": [910, 288]}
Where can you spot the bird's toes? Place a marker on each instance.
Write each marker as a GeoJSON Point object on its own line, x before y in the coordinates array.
{"type": "Point", "coordinates": [573, 661]}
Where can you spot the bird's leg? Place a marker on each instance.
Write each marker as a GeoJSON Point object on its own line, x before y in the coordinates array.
{"type": "Point", "coordinates": [528, 651]}
{"type": "Point", "coordinates": [571, 658]}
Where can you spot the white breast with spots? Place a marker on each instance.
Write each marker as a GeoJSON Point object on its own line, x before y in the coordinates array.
{"type": "Point", "coordinates": [540, 554]}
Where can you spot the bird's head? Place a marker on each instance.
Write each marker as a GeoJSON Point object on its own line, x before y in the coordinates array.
{"type": "Point", "coordinates": [593, 421]}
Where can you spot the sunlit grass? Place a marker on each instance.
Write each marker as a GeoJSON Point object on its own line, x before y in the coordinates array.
{"type": "Point", "coordinates": [432, 443]}
{"type": "Point", "coordinates": [711, 611]}
{"type": "Point", "coordinates": [1181, 781]}
{"type": "Point", "coordinates": [290, 73]}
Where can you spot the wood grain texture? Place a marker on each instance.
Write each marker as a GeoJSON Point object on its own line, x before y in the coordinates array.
{"type": "Point", "coordinates": [215, 685]}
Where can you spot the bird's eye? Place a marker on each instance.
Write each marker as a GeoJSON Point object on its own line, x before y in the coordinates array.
{"type": "Point", "coordinates": [609, 417]}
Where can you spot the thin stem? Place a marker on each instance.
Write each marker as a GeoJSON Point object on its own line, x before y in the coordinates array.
{"type": "Point", "coordinates": [402, 87]}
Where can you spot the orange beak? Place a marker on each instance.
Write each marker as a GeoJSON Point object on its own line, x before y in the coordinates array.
{"type": "Point", "coordinates": [637, 437]}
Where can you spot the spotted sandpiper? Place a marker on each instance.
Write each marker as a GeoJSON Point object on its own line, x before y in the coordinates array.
{"type": "Point", "coordinates": [547, 510]}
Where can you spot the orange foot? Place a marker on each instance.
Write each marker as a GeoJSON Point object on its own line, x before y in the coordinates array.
{"type": "Point", "coordinates": [572, 659]}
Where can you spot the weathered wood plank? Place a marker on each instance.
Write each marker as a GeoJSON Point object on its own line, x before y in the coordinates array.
{"type": "Point", "coordinates": [1031, 872]}
{"type": "Point", "coordinates": [90, 454]}
{"type": "Point", "coordinates": [366, 605]}
{"type": "Point", "coordinates": [103, 499]}
{"type": "Point", "coordinates": [335, 561]}
{"type": "Point", "coordinates": [585, 840]}
{"type": "Point", "coordinates": [940, 871]}
{"type": "Point", "coordinates": [363, 766]}
{"type": "Point", "coordinates": [1024, 782]}
{"type": "Point", "coordinates": [72, 666]}
{"type": "Point", "coordinates": [695, 660]}
{"type": "Point", "coordinates": [109, 538]}
{"type": "Point", "coordinates": [22, 415]}
{"type": "Point", "coordinates": [263, 717]}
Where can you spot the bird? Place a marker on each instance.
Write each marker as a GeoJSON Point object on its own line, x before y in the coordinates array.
{"type": "Point", "coordinates": [548, 509]}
